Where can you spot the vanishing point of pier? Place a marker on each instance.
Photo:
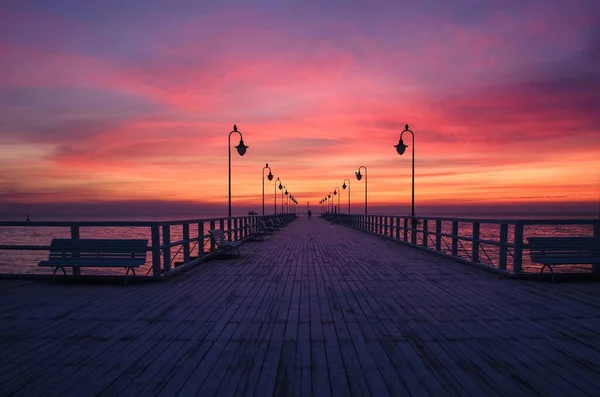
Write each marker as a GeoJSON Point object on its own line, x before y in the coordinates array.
{"type": "Point", "coordinates": [314, 309]}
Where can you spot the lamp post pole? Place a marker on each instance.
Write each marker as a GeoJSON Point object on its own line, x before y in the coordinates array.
{"type": "Point", "coordinates": [241, 149]}
{"type": "Point", "coordinates": [359, 177]}
{"type": "Point", "coordinates": [275, 196]}
{"type": "Point", "coordinates": [401, 148]}
{"type": "Point", "coordinates": [281, 187]}
{"type": "Point", "coordinates": [344, 187]}
{"type": "Point", "coordinates": [338, 192]}
{"type": "Point", "coordinates": [270, 176]}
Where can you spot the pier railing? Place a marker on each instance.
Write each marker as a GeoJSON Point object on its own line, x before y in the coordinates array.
{"type": "Point", "coordinates": [498, 244]}
{"type": "Point", "coordinates": [173, 245]}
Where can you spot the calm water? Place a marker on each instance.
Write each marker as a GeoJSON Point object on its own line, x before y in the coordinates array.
{"type": "Point", "coordinates": [26, 261]}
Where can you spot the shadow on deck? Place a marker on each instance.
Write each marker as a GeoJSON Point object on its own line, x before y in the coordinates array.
{"type": "Point", "coordinates": [316, 309]}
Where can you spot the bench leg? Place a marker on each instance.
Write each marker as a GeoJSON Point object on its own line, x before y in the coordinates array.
{"type": "Point", "coordinates": [54, 272]}
{"type": "Point", "coordinates": [551, 271]}
{"type": "Point", "coordinates": [127, 273]}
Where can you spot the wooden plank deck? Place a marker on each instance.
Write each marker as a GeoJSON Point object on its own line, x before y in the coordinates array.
{"type": "Point", "coordinates": [316, 309]}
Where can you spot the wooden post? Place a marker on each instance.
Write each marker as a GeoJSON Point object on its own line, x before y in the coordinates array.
{"type": "Point", "coordinates": [503, 241]}
{"type": "Point", "coordinates": [438, 235]}
{"type": "Point", "coordinates": [454, 238]}
{"type": "Point", "coordinates": [596, 267]}
{"type": "Point", "coordinates": [518, 254]}
{"type": "Point", "coordinates": [425, 235]}
{"type": "Point", "coordinates": [212, 242]}
{"type": "Point", "coordinates": [200, 239]}
{"type": "Point", "coordinates": [397, 228]}
{"type": "Point", "coordinates": [155, 232]}
{"type": "Point", "coordinates": [75, 236]}
{"type": "Point", "coordinates": [166, 229]}
{"type": "Point", "coordinates": [222, 227]}
{"type": "Point", "coordinates": [236, 232]}
{"type": "Point", "coordinates": [475, 246]}
{"type": "Point", "coordinates": [413, 228]}
{"type": "Point", "coordinates": [186, 242]}
{"type": "Point", "coordinates": [405, 229]}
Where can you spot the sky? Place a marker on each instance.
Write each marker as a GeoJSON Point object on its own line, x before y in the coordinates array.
{"type": "Point", "coordinates": [124, 103]}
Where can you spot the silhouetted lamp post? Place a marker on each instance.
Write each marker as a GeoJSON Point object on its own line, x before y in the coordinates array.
{"type": "Point", "coordinates": [241, 149]}
{"type": "Point", "coordinates": [270, 177]}
{"type": "Point", "coordinates": [401, 148]}
{"type": "Point", "coordinates": [275, 195]}
{"type": "Point", "coordinates": [281, 187]}
{"type": "Point", "coordinates": [336, 191]}
{"type": "Point", "coordinates": [359, 177]}
{"type": "Point", "coordinates": [344, 187]}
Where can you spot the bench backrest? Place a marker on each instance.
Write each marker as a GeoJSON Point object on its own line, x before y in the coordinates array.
{"type": "Point", "coordinates": [589, 245]}
{"type": "Point", "coordinates": [98, 248]}
{"type": "Point", "coordinates": [219, 236]}
{"type": "Point", "coordinates": [574, 247]}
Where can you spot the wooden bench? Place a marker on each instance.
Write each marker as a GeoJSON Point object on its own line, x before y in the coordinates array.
{"type": "Point", "coordinates": [555, 251]}
{"type": "Point", "coordinates": [253, 233]}
{"type": "Point", "coordinates": [266, 229]}
{"type": "Point", "coordinates": [78, 253]}
{"type": "Point", "coordinates": [221, 243]}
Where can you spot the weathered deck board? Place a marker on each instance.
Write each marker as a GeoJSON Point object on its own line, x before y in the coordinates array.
{"type": "Point", "coordinates": [315, 309]}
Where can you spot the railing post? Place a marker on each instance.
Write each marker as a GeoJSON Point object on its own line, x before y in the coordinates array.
{"type": "Point", "coordinates": [186, 242]}
{"type": "Point", "coordinates": [475, 246]}
{"type": "Point", "coordinates": [438, 235]}
{"type": "Point", "coordinates": [155, 232]}
{"type": "Point", "coordinates": [236, 232]}
{"type": "Point", "coordinates": [596, 267]}
{"type": "Point", "coordinates": [503, 242]}
{"type": "Point", "coordinates": [425, 234]}
{"type": "Point", "coordinates": [212, 242]}
{"type": "Point", "coordinates": [405, 229]}
{"type": "Point", "coordinates": [518, 254]}
{"type": "Point", "coordinates": [222, 226]}
{"type": "Point", "coordinates": [75, 236]}
{"type": "Point", "coordinates": [200, 239]}
{"type": "Point", "coordinates": [166, 229]}
{"type": "Point", "coordinates": [454, 238]}
{"type": "Point", "coordinates": [229, 236]}
{"type": "Point", "coordinates": [397, 227]}
{"type": "Point", "coordinates": [413, 233]}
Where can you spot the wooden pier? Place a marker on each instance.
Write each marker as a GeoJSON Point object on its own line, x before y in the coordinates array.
{"type": "Point", "coordinates": [315, 309]}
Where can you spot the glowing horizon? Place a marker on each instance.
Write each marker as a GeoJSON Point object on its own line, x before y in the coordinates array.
{"type": "Point", "coordinates": [109, 102]}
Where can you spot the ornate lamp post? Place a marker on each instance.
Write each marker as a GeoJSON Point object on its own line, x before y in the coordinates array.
{"type": "Point", "coordinates": [241, 149]}
{"type": "Point", "coordinates": [281, 187]}
{"type": "Point", "coordinates": [344, 187]}
{"type": "Point", "coordinates": [336, 191]}
{"type": "Point", "coordinates": [270, 177]}
{"type": "Point", "coordinates": [401, 148]}
{"type": "Point", "coordinates": [275, 195]}
{"type": "Point", "coordinates": [359, 177]}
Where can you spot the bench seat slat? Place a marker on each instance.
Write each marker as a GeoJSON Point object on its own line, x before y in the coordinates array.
{"type": "Point", "coordinates": [90, 263]}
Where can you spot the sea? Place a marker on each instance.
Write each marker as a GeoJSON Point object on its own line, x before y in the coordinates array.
{"type": "Point", "coordinates": [25, 261]}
